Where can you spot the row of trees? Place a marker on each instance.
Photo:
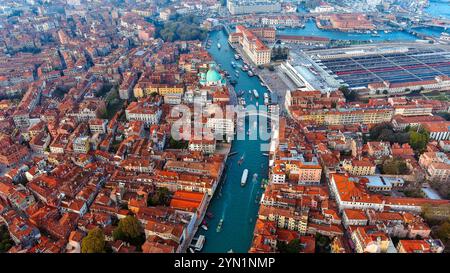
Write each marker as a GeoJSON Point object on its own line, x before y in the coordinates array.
{"type": "Point", "coordinates": [280, 53]}
{"type": "Point", "coordinates": [416, 137]}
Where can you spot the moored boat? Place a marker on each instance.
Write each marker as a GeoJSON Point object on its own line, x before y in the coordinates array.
{"type": "Point", "coordinates": [241, 160]}
{"type": "Point", "coordinates": [244, 177]}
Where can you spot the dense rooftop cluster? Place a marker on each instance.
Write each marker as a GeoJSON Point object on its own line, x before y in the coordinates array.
{"type": "Point", "coordinates": [85, 129]}
{"type": "Point", "coordinates": [87, 152]}
{"type": "Point", "coordinates": [332, 176]}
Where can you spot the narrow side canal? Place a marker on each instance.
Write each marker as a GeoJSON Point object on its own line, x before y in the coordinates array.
{"type": "Point", "coordinates": [237, 205]}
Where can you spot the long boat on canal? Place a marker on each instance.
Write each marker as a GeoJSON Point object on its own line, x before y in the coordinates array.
{"type": "Point", "coordinates": [244, 177]}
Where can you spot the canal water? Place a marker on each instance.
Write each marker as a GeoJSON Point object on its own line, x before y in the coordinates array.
{"type": "Point", "coordinates": [236, 205]}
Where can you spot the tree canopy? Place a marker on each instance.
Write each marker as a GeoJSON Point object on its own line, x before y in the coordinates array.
{"type": "Point", "coordinates": [184, 28]}
{"type": "Point", "coordinates": [94, 242]}
{"type": "Point", "coordinates": [349, 95]}
{"type": "Point", "coordinates": [178, 144]}
{"type": "Point", "coordinates": [385, 132]}
{"type": "Point", "coordinates": [395, 166]}
{"type": "Point", "coordinates": [293, 246]}
{"type": "Point", "coordinates": [162, 196]}
{"type": "Point", "coordinates": [280, 53]}
{"type": "Point", "coordinates": [129, 230]}
{"type": "Point", "coordinates": [5, 240]}
{"type": "Point", "coordinates": [443, 233]}
{"type": "Point", "coordinates": [416, 138]}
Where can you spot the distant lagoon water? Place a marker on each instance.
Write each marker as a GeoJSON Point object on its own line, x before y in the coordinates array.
{"type": "Point", "coordinates": [312, 30]}
{"type": "Point", "coordinates": [439, 8]}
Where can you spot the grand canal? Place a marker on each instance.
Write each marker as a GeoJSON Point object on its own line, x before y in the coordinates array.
{"type": "Point", "coordinates": [236, 205]}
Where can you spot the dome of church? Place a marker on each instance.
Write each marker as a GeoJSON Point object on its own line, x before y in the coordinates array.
{"type": "Point", "coordinates": [213, 76]}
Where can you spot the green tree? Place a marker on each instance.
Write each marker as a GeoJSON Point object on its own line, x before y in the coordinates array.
{"type": "Point", "coordinates": [129, 230]}
{"type": "Point", "coordinates": [349, 95]}
{"type": "Point", "coordinates": [178, 144]}
{"type": "Point", "coordinates": [377, 130]}
{"type": "Point", "coordinates": [395, 166]}
{"type": "Point", "coordinates": [443, 233]}
{"type": "Point", "coordinates": [94, 242]}
{"type": "Point", "coordinates": [5, 240]}
{"type": "Point", "coordinates": [293, 246]}
{"type": "Point", "coordinates": [183, 28]}
{"type": "Point", "coordinates": [418, 139]}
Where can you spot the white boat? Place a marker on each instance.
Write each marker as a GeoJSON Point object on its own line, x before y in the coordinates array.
{"type": "Point", "coordinates": [204, 227]}
{"type": "Point", "coordinates": [230, 251]}
{"type": "Point", "coordinates": [266, 98]}
{"type": "Point", "coordinates": [250, 73]}
{"type": "Point", "coordinates": [218, 45]}
{"type": "Point", "coordinates": [219, 226]}
{"type": "Point", "coordinates": [191, 250]}
{"type": "Point", "coordinates": [255, 93]}
{"type": "Point", "coordinates": [236, 56]}
{"type": "Point", "coordinates": [244, 177]}
{"type": "Point", "coordinates": [255, 177]}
